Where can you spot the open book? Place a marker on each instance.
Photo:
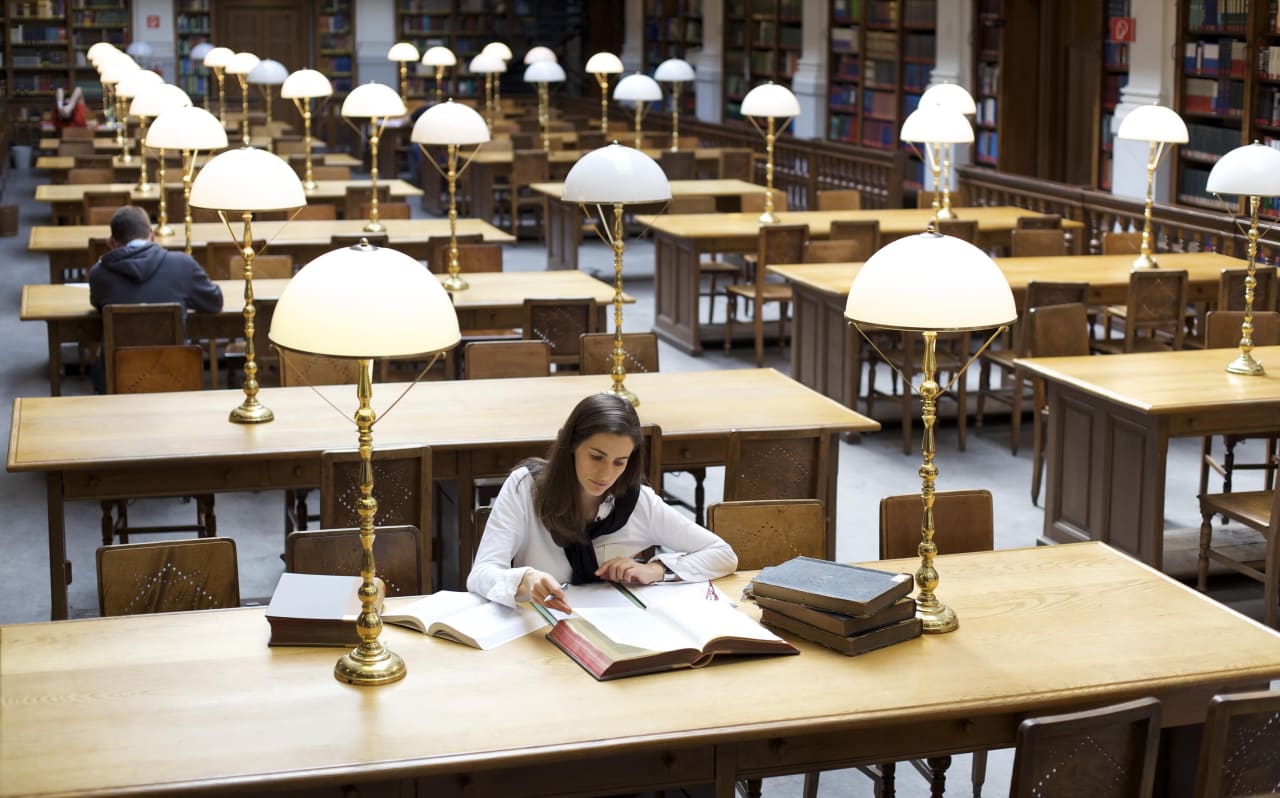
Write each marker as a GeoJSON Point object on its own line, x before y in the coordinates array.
{"type": "Point", "coordinates": [466, 618]}
{"type": "Point", "coordinates": [622, 635]}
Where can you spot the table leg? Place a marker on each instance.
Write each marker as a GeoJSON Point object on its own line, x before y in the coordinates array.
{"type": "Point", "coordinates": [564, 234]}
{"type": "Point", "coordinates": [55, 359]}
{"type": "Point", "coordinates": [59, 567]}
{"type": "Point", "coordinates": [677, 278]}
{"type": "Point", "coordinates": [481, 193]}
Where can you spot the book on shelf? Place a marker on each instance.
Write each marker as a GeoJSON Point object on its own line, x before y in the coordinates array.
{"type": "Point", "coordinates": [466, 618]}
{"type": "Point", "coordinates": [826, 585]}
{"type": "Point", "coordinates": [315, 610]}
{"type": "Point", "coordinates": [837, 623]}
{"type": "Point", "coordinates": [850, 645]}
{"type": "Point", "coordinates": [618, 631]}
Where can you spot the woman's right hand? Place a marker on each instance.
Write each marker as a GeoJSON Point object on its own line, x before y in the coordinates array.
{"type": "Point", "coordinates": [543, 588]}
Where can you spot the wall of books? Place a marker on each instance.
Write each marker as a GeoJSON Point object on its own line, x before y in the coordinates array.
{"type": "Point", "coordinates": [465, 27]}
{"type": "Point", "coordinates": [762, 43]}
{"type": "Point", "coordinates": [672, 29]}
{"type": "Point", "coordinates": [1115, 76]}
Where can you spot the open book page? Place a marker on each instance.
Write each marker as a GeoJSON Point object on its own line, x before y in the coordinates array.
{"type": "Point", "coordinates": [638, 628]}
{"type": "Point", "coordinates": [466, 618]}
{"type": "Point", "coordinates": [706, 621]}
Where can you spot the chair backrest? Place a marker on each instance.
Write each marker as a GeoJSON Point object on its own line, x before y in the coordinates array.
{"type": "Point", "coordinates": [265, 267]}
{"type": "Point", "coordinates": [779, 243]}
{"type": "Point", "coordinates": [98, 214]}
{"type": "Point", "coordinates": [75, 147]}
{"type": "Point", "coordinates": [1231, 289]}
{"type": "Point", "coordinates": [157, 369]}
{"type": "Point", "coordinates": [154, 324]}
{"type": "Point", "coordinates": [640, 352]}
{"type": "Point", "coordinates": [317, 212]}
{"type": "Point", "coordinates": [357, 196]}
{"type": "Point", "coordinates": [1238, 750]}
{"type": "Point", "coordinates": [438, 250]}
{"type": "Point", "coordinates": [484, 360]}
{"type": "Point", "coordinates": [89, 175]}
{"type": "Point", "coordinates": [219, 256]}
{"type": "Point", "coordinates": [168, 576]}
{"type": "Point", "coordinates": [1107, 752]}
{"type": "Point", "coordinates": [397, 556]}
{"type": "Point", "coordinates": [325, 172]}
{"type": "Point", "coordinates": [1114, 243]}
{"type": "Point", "coordinates": [1047, 221]}
{"type": "Point", "coordinates": [1156, 300]}
{"type": "Point", "coordinates": [764, 533]}
{"type": "Point", "coordinates": [1030, 242]}
{"type": "Point", "coordinates": [833, 251]}
{"type": "Point", "coordinates": [1041, 293]}
{"type": "Point", "coordinates": [529, 166]}
{"type": "Point", "coordinates": [387, 210]}
{"type": "Point", "coordinates": [963, 521]}
{"type": "Point", "coordinates": [691, 205]}
{"type": "Point", "coordinates": [561, 323]}
{"type": "Point", "coordinates": [679, 164]}
{"type": "Point", "coordinates": [477, 258]}
{"type": "Point", "coordinates": [865, 231]}
{"type": "Point", "coordinates": [777, 464]}
{"type": "Point", "coordinates": [97, 248]}
{"type": "Point", "coordinates": [1058, 330]}
{"type": "Point", "coordinates": [753, 202]}
{"type": "Point", "coordinates": [1222, 328]}
{"type": "Point", "coordinates": [301, 368]}
{"type": "Point", "coordinates": [840, 199]}
{"type": "Point", "coordinates": [105, 199]}
{"type": "Point", "coordinates": [963, 229]}
{"type": "Point", "coordinates": [737, 163]}
{"type": "Point", "coordinates": [352, 239]}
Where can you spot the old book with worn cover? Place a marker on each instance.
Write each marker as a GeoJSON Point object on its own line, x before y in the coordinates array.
{"type": "Point", "coordinates": [315, 610]}
{"type": "Point", "coordinates": [832, 586]}
{"type": "Point", "coordinates": [851, 645]}
{"type": "Point", "coordinates": [838, 624]}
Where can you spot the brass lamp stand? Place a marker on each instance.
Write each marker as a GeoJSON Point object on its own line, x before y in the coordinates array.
{"type": "Point", "coordinates": [944, 212]}
{"type": "Point", "coordinates": [250, 410]}
{"type": "Point", "coordinates": [1145, 259]}
{"type": "Point", "coordinates": [188, 170]}
{"type": "Point", "coordinates": [243, 79]}
{"type": "Point", "coordinates": [375, 132]}
{"type": "Point", "coordinates": [163, 230]}
{"type": "Point", "coordinates": [936, 616]}
{"type": "Point", "coordinates": [602, 80]}
{"type": "Point", "coordinates": [439, 68]}
{"type": "Point", "coordinates": [122, 133]}
{"type": "Point", "coordinates": [454, 282]}
{"type": "Point", "coordinates": [1244, 362]}
{"type": "Point", "coordinates": [770, 136]}
{"type": "Point", "coordinates": [304, 107]}
{"type": "Point", "coordinates": [143, 183]}
{"type": "Point", "coordinates": [674, 71]}
{"type": "Point", "coordinates": [220, 74]}
{"type": "Point", "coordinates": [619, 371]}
{"type": "Point", "coordinates": [1159, 127]}
{"type": "Point", "coordinates": [770, 101]}
{"type": "Point", "coordinates": [544, 120]}
{"type": "Point", "coordinates": [452, 124]}
{"type": "Point", "coordinates": [675, 116]}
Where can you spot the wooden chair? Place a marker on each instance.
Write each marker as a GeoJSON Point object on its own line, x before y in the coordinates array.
{"type": "Point", "coordinates": [1057, 331]}
{"type": "Point", "coordinates": [401, 484]}
{"type": "Point", "coordinates": [438, 250]}
{"type": "Point", "coordinates": [779, 243]}
{"type": "Point", "coordinates": [144, 324]}
{"type": "Point", "coordinates": [833, 251]}
{"type": "Point", "coordinates": [82, 177]}
{"type": "Point", "coordinates": [1231, 298]}
{"type": "Point", "coordinates": [387, 210]}
{"type": "Point", "coordinates": [864, 231]}
{"type": "Point", "coordinates": [157, 369]}
{"type": "Point", "coordinates": [1121, 243]}
{"type": "Point", "coordinates": [356, 197]}
{"type": "Point", "coordinates": [561, 323]}
{"type": "Point", "coordinates": [1259, 510]}
{"type": "Point", "coordinates": [168, 576]}
{"type": "Point", "coordinates": [109, 200]}
{"type": "Point", "coordinates": [764, 533]}
{"type": "Point", "coordinates": [325, 172]}
{"type": "Point", "coordinates": [317, 211]}
{"type": "Point", "coordinates": [1037, 242]}
{"type": "Point", "coordinates": [840, 199]}
{"type": "Point", "coordinates": [753, 202]}
{"type": "Point", "coordinates": [99, 216]}
{"type": "Point", "coordinates": [528, 166]}
{"type": "Point", "coordinates": [679, 165]}
{"type": "Point", "coordinates": [478, 258]}
{"type": "Point", "coordinates": [397, 555]}
{"type": "Point", "coordinates": [640, 349]}
{"type": "Point", "coordinates": [219, 254]}
{"type": "Point", "coordinates": [1109, 752]}
{"type": "Point", "coordinates": [778, 464]}
{"type": "Point", "coordinates": [484, 360]}
{"type": "Point", "coordinates": [737, 163]}
{"type": "Point", "coordinates": [963, 229]}
{"type": "Point", "coordinates": [1048, 221]}
{"type": "Point", "coordinates": [1156, 306]}
{"type": "Point", "coordinates": [1238, 751]}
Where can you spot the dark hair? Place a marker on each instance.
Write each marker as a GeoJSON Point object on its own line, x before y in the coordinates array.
{"type": "Point", "coordinates": [128, 223]}
{"type": "Point", "coordinates": [555, 494]}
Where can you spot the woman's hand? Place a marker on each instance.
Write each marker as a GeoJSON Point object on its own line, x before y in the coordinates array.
{"type": "Point", "coordinates": [541, 587]}
{"type": "Point", "coordinates": [625, 569]}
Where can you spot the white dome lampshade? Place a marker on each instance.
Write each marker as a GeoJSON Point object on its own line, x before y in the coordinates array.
{"type": "Point", "coordinates": [936, 124]}
{"type": "Point", "coordinates": [544, 72]}
{"type": "Point", "coordinates": [117, 70]}
{"type": "Point", "coordinates": [604, 63]}
{"type": "Point", "coordinates": [364, 302]}
{"type": "Point", "coordinates": [537, 54]}
{"type": "Point", "coordinates": [402, 51]}
{"type": "Point", "coordinates": [1249, 171]}
{"type": "Point", "coordinates": [674, 70]}
{"type": "Point", "coordinates": [241, 64]}
{"type": "Point", "coordinates": [247, 179]}
{"type": "Point", "coordinates": [1153, 123]}
{"type": "Point", "coordinates": [155, 100]}
{"type": "Point", "coordinates": [136, 82]}
{"type": "Point", "coordinates": [450, 123]}
{"type": "Point", "coordinates": [141, 50]}
{"type": "Point", "coordinates": [483, 63]}
{"type": "Point", "coordinates": [269, 72]}
{"type": "Point", "coordinates": [373, 100]}
{"type": "Point", "coordinates": [616, 173]}
{"type": "Point", "coordinates": [950, 95]}
{"type": "Point", "coordinates": [638, 88]}
{"type": "Point", "coordinates": [930, 282]}
{"type": "Point", "coordinates": [218, 57]}
{"type": "Point", "coordinates": [770, 100]}
{"type": "Point", "coordinates": [305, 83]}
{"type": "Point", "coordinates": [186, 128]}
{"type": "Point", "coordinates": [198, 52]}
{"type": "Point", "coordinates": [439, 56]}
{"type": "Point", "coordinates": [499, 50]}
{"type": "Point", "coordinates": [98, 50]}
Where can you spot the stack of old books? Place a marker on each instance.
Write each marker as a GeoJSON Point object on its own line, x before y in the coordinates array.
{"type": "Point", "coordinates": [853, 610]}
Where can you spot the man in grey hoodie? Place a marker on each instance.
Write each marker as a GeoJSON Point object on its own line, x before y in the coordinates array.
{"type": "Point", "coordinates": [136, 269]}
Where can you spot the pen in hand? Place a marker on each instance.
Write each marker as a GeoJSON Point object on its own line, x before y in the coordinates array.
{"type": "Point", "coordinates": [554, 599]}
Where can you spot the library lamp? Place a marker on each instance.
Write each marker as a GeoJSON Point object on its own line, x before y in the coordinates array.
{"type": "Point", "coordinates": [930, 283]}
{"type": "Point", "coordinates": [674, 71]}
{"type": "Point", "coordinates": [602, 65]}
{"type": "Point", "coordinates": [543, 73]}
{"type": "Point", "coordinates": [247, 181]}
{"type": "Point", "coordinates": [452, 125]}
{"type": "Point", "coordinates": [133, 83]}
{"type": "Point", "coordinates": [196, 57]}
{"type": "Point", "coordinates": [438, 58]}
{"type": "Point", "coordinates": [115, 69]}
{"type": "Point", "coordinates": [404, 52]}
{"type": "Point", "coordinates": [268, 74]}
{"type": "Point", "coordinates": [490, 66]}
{"type": "Point", "coordinates": [503, 53]}
{"type": "Point", "coordinates": [216, 62]}
{"type": "Point", "coordinates": [957, 98]}
{"type": "Point", "coordinates": [935, 126]}
{"type": "Point", "coordinates": [150, 104]}
{"type": "Point", "coordinates": [772, 102]}
{"type": "Point", "coordinates": [100, 59]}
{"type": "Point", "coordinates": [540, 53]}
{"type": "Point", "coordinates": [1159, 126]}
{"type": "Point", "coordinates": [300, 87]}
{"type": "Point", "coordinates": [1251, 172]}
{"type": "Point", "coordinates": [189, 130]}
{"type": "Point", "coordinates": [641, 90]}
{"type": "Point", "coordinates": [376, 102]}
{"type": "Point", "coordinates": [617, 176]}
{"type": "Point", "coordinates": [240, 65]}
{"type": "Point", "coordinates": [97, 50]}
{"type": "Point", "coordinates": [360, 303]}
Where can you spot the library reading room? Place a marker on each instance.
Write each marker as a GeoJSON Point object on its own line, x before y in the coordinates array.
{"type": "Point", "coordinates": [861, 398]}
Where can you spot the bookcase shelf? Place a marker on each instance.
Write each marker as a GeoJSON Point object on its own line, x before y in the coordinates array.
{"type": "Point", "coordinates": [672, 29]}
{"type": "Point", "coordinates": [193, 24]}
{"type": "Point", "coordinates": [1115, 76]}
{"type": "Point", "coordinates": [762, 43]}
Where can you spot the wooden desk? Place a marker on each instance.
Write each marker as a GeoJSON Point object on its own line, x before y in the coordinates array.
{"type": "Point", "coordinates": [67, 246]}
{"type": "Point", "coordinates": [493, 301]}
{"type": "Point", "coordinates": [76, 441]}
{"type": "Point", "coordinates": [564, 220]}
{"type": "Point", "coordinates": [826, 352]}
{"type": "Point", "coordinates": [1110, 421]}
{"type": "Point", "coordinates": [67, 199]}
{"type": "Point", "coordinates": [680, 241]}
{"type": "Point", "coordinates": [1042, 630]}
{"type": "Point", "coordinates": [59, 165]}
{"type": "Point", "coordinates": [109, 143]}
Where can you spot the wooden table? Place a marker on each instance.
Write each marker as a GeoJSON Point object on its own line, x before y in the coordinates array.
{"type": "Point", "coordinates": [67, 246]}
{"type": "Point", "coordinates": [493, 301]}
{"type": "Point", "coordinates": [1110, 421]}
{"type": "Point", "coordinates": [564, 219]}
{"type": "Point", "coordinates": [109, 143]}
{"type": "Point", "coordinates": [680, 241]}
{"type": "Point", "coordinates": [197, 702]}
{"type": "Point", "coordinates": [826, 352]}
{"type": "Point", "coordinates": [67, 199]}
{"type": "Point", "coordinates": [59, 165]}
{"type": "Point", "coordinates": [187, 446]}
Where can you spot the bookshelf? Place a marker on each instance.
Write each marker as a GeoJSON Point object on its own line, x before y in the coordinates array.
{"type": "Point", "coordinates": [1266, 109]}
{"type": "Point", "coordinates": [1005, 34]}
{"type": "Point", "coordinates": [335, 44]}
{"type": "Point", "coordinates": [762, 43]}
{"type": "Point", "coordinates": [44, 50]}
{"type": "Point", "coordinates": [1115, 76]}
{"type": "Point", "coordinates": [193, 24]}
{"type": "Point", "coordinates": [465, 27]}
{"type": "Point", "coordinates": [672, 29]}
{"type": "Point", "coordinates": [882, 53]}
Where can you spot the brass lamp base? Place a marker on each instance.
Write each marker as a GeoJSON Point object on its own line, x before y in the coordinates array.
{"type": "Point", "coordinates": [309, 186]}
{"type": "Point", "coordinates": [164, 231]}
{"type": "Point", "coordinates": [251, 411]}
{"type": "Point", "coordinates": [1145, 261]}
{"type": "Point", "coordinates": [768, 217]}
{"type": "Point", "coordinates": [937, 618]}
{"type": "Point", "coordinates": [365, 670]}
{"type": "Point", "coordinates": [946, 213]}
{"type": "Point", "coordinates": [1245, 364]}
{"type": "Point", "coordinates": [375, 227]}
{"type": "Point", "coordinates": [454, 282]}
{"type": "Point", "coordinates": [142, 187]}
{"type": "Point", "coordinates": [618, 389]}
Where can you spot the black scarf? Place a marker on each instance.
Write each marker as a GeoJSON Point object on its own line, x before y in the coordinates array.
{"type": "Point", "coordinates": [582, 556]}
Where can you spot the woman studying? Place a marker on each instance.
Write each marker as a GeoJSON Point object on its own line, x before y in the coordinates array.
{"type": "Point", "coordinates": [583, 514]}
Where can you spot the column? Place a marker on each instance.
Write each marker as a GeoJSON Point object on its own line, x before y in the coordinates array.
{"type": "Point", "coordinates": [1151, 79]}
{"type": "Point", "coordinates": [953, 63]}
{"type": "Point", "coordinates": [709, 64]}
{"type": "Point", "coordinates": [809, 83]}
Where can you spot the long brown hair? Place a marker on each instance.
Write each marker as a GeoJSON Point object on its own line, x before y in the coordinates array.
{"type": "Point", "coordinates": [555, 494]}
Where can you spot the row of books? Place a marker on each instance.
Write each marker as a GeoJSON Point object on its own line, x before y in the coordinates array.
{"type": "Point", "coordinates": [1210, 141]}
{"type": "Point", "coordinates": [1222, 59]}
{"type": "Point", "coordinates": [1222, 97]}
{"type": "Point", "coordinates": [1222, 15]}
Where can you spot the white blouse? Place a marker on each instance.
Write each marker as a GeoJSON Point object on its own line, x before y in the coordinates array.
{"type": "Point", "coordinates": [515, 540]}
